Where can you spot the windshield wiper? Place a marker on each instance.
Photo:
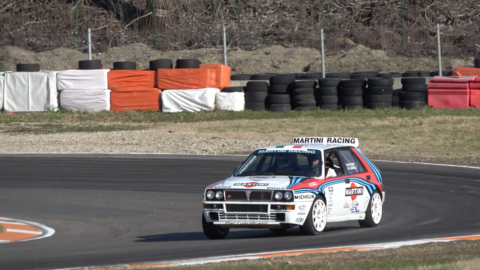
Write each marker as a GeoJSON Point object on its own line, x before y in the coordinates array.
{"type": "Point", "coordinates": [254, 173]}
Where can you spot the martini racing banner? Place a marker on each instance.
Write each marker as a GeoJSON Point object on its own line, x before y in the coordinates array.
{"type": "Point", "coordinates": [353, 142]}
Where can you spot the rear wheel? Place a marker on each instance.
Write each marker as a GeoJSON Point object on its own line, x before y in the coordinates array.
{"type": "Point", "coordinates": [213, 231]}
{"type": "Point", "coordinates": [374, 212]}
{"type": "Point", "coordinates": [316, 219]}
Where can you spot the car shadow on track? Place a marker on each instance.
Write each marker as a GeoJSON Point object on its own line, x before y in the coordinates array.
{"type": "Point", "coordinates": [244, 234]}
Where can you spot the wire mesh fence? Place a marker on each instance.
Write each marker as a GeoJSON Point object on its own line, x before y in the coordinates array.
{"type": "Point", "coordinates": [404, 29]}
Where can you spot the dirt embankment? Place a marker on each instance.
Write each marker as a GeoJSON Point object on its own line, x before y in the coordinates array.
{"type": "Point", "coordinates": [272, 59]}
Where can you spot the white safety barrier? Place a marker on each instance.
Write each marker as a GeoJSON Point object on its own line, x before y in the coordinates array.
{"type": "Point", "coordinates": [189, 100]}
{"type": "Point", "coordinates": [78, 79]}
{"type": "Point", "coordinates": [2, 82]}
{"type": "Point", "coordinates": [231, 101]}
{"type": "Point", "coordinates": [85, 100]}
{"type": "Point", "coordinates": [30, 91]}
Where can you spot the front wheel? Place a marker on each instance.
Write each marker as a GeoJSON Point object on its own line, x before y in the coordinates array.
{"type": "Point", "coordinates": [316, 219]}
{"type": "Point", "coordinates": [213, 231]}
{"type": "Point", "coordinates": [374, 212]}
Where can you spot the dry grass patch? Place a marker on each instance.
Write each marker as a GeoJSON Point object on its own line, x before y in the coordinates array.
{"type": "Point", "coordinates": [2, 228]}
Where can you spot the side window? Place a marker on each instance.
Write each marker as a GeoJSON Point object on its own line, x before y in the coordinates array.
{"type": "Point", "coordinates": [352, 164]}
{"type": "Point", "coordinates": [337, 166]}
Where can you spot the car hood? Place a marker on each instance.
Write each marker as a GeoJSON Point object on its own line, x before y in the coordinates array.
{"type": "Point", "coordinates": [256, 182]}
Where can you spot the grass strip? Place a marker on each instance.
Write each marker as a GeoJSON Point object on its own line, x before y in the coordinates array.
{"type": "Point", "coordinates": [2, 228]}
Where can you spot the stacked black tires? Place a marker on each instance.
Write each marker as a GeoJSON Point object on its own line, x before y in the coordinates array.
{"type": "Point", "coordinates": [326, 95]}
{"type": "Point", "coordinates": [278, 99]}
{"type": "Point", "coordinates": [256, 95]}
{"type": "Point", "coordinates": [28, 67]}
{"type": "Point", "coordinates": [351, 94]}
{"type": "Point", "coordinates": [379, 93]}
{"type": "Point", "coordinates": [303, 98]}
{"type": "Point", "coordinates": [414, 93]}
{"type": "Point", "coordinates": [477, 62]}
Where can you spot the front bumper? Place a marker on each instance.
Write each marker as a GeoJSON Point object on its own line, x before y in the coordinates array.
{"type": "Point", "coordinates": [269, 218]}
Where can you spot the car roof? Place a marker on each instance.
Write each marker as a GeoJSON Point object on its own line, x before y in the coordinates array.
{"type": "Point", "coordinates": [302, 147]}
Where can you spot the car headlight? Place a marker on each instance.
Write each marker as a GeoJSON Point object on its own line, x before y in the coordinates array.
{"type": "Point", "coordinates": [278, 196]}
{"type": "Point", "coordinates": [219, 195]}
{"type": "Point", "coordinates": [288, 195]}
{"type": "Point", "coordinates": [210, 194]}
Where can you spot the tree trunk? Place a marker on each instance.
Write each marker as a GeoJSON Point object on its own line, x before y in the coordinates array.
{"type": "Point", "coordinates": [160, 14]}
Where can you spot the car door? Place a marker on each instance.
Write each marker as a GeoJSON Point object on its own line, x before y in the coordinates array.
{"type": "Point", "coordinates": [334, 187]}
{"type": "Point", "coordinates": [356, 187]}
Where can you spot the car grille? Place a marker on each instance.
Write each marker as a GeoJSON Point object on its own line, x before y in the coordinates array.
{"type": "Point", "coordinates": [263, 208]}
{"type": "Point", "coordinates": [261, 196]}
{"type": "Point", "coordinates": [235, 195]}
{"type": "Point", "coordinates": [247, 217]}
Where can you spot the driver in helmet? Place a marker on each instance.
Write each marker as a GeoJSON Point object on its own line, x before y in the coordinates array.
{"type": "Point", "coordinates": [283, 164]}
{"type": "Point", "coordinates": [315, 166]}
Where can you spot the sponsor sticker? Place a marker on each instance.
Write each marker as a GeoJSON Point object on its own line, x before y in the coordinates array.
{"type": "Point", "coordinates": [304, 197]}
{"type": "Point", "coordinates": [330, 189]}
{"type": "Point", "coordinates": [245, 223]}
{"type": "Point", "coordinates": [346, 205]}
{"type": "Point", "coordinates": [313, 184]}
{"type": "Point", "coordinates": [302, 207]}
{"type": "Point", "coordinates": [353, 191]}
{"type": "Point", "coordinates": [252, 184]}
{"type": "Point", "coordinates": [260, 178]}
{"type": "Point", "coordinates": [355, 207]}
{"type": "Point", "coordinates": [299, 220]}
{"type": "Point", "coordinates": [299, 151]}
{"type": "Point", "coordinates": [301, 214]}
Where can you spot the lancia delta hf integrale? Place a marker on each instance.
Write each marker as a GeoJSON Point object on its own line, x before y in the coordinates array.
{"type": "Point", "coordinates": [309, 183]}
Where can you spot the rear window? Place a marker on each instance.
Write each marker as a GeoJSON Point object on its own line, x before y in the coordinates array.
{"type": "Point", "coordinates": [352, 164]}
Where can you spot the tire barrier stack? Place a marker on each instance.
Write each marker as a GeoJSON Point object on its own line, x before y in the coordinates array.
{"type": "Point", "coordinates": [326, 95]}
{"type": "Point", "coordinates": [379, 93]}
{"type": "Point", "coordinates": [278, 99]}
{"type": "Point", "coordinates": [256, 95]}
{"type": "Point", "coordinates": [303, 98]}
{"type": "Point", "coordinates": [414, 93]}
{"type": "Point", "coordinates": [351, 94]}
{"type": "Point", "coordinates": [477, 62]}
{"type": "Point", "coordinates": [396, 97]}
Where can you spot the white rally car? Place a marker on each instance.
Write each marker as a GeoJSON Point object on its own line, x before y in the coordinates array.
{"type": "Point", "coordinates": [309, 183]}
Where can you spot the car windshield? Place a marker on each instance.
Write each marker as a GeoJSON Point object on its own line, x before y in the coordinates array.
{"type": "Point", "coordinates": [300, 162]}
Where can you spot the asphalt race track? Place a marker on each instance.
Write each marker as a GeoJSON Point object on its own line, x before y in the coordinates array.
{"type": "Point", "coordinates": [112, 209]}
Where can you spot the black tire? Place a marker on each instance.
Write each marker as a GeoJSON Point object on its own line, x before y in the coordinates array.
{"type": "Point", "coordinates": [413, 81]}
{"type": "Point", "coordinates": [161, 64]}
{"type": "Point", "coordinates": [395, 99]}
{"type": "Point", "coordinates": [279, 89]}
{"type": "Point", "coordinates": [380, 82]}
{"type": "Point", "coordinates": [280, 107]}
{"type": "Point", "coordinates": [379, 98]}
{"type": "Point", "coordinates": [386, 75]}
{"type": "Point", "coordinates": [330, 107]}
{"type": "Point", "coordinates": [424, 73]}
{"type": "Point", "coordinates": [262, 77]}
{"type": "Point", "coordinates": [124, 66]}
{"type": "Point", "coordinates": [396, 92]}
{"type": "Point", "coordinates": [375, 106]}
{"type": "Point", "coordinates": [90, 64]}
{"type": "Point", "coordinates": [380, 90]}
{"type": "Point", "coordinates": [308, 226]}
{"type": "Point", "coordinates": [412, 104]}
{"type": "Point", "coordinates": [303, 97]}
{"type": "Point", "coordinates": [305, 108]}
{"type": "Point", "coordinates": [256, 96]}
{"type": "Point", "coordinates": [304, 84]}
{"type": "Point", "coordinates": [352, 83]}
{"type": "Point", "coordinates": [305, 103]}
{"type": "Point", "coordinates": [188, 63]}
{"type": "Point", "coordinates": [282, 79]}
{"type": "Point", "coordinates": [213, 231]}
{"type": "Point", "coordinates": [329, 82]}
{"type": "Point", "coordinates": [308, 76]}
{"type": "Point", "coordinates": [369, 220]}
{"type": "Point", "coordinates": [28, 67]}
{"type": "Point", "coordinates": [351, 92]}
{"type": "Point", "coordinates": [352, 101]}
{"type": "Point", "coordinates": [324, 100]}
{"type": "Point", "coordinates": [233, 89]}
{"type": "Point", "coordinates": [412, 96]}
{"type": "Point", "coordinates": [255, 106]}
{"type": "Point", "coordinates": [415, 88]}
{"type": "Point", "coordinates": [278, 99]}
{"type": "Point", "coordinates": [326, 91]}
{"type": "Point", "coordinates": [303, 91]}
{"type": "Point", "coordinates": [477, 62]}
{"type": "Point", "coordinates": [256, 87]}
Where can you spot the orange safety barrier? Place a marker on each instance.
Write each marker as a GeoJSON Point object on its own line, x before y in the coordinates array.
{"type": "Point", "coordinates": [475, 93]}
{"type": "Point", "coordinates": [135, 98]}
{"type": "Point", "coordinates": [129, 78]}
{"type": "Point", "coordinates": [449, 92]}
{"type": "Point", "coordinates": [222, 73]}
{"type": "Point", "coordinates": [186, 78]}
{"type": "Point", "coordinates": [466, 71]}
